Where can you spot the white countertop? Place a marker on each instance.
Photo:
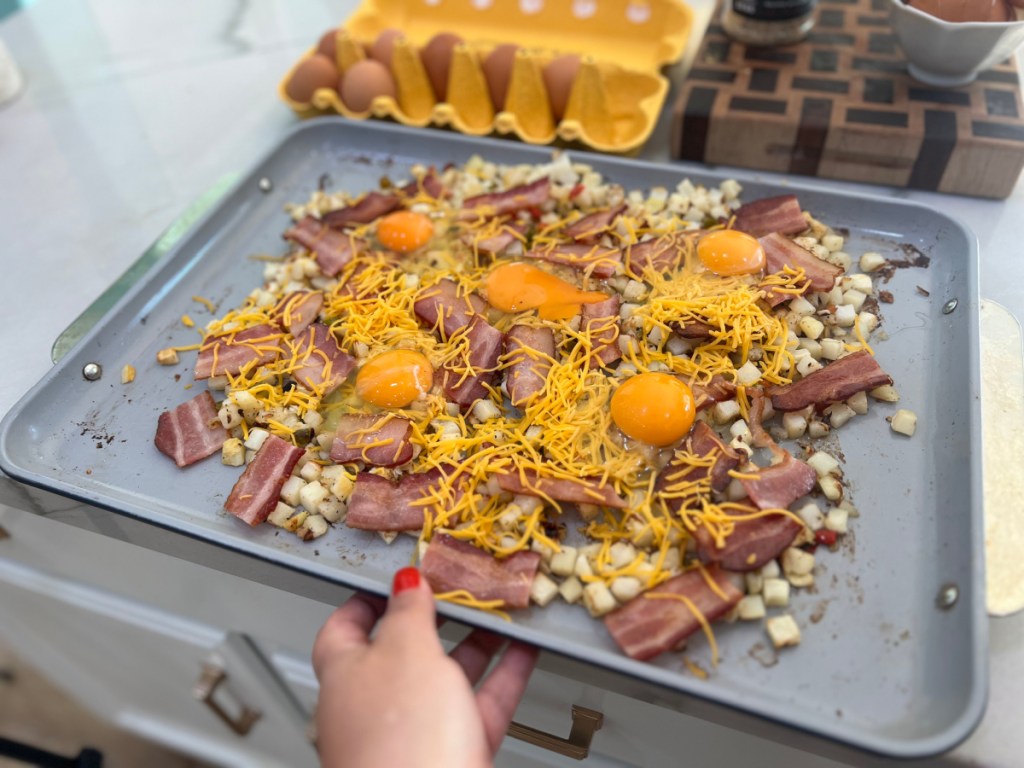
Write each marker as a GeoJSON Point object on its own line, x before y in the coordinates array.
{"type": "Point", "coordinates": [131, 111]}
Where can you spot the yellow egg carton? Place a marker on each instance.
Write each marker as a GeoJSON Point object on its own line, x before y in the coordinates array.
{"type": "Point", "coordinates": [614, 101]}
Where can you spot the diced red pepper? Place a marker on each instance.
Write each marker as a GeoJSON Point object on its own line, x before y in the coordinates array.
{"type": "Point", "coordinates": [576, 191]}
{"type": "Point", "coordinates": [535, 212]}
{"type": "Point", "coordinates": [825, 536]}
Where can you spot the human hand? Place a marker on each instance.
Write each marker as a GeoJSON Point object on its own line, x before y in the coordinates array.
{"type": "Point", "coordinates": [398, 699]}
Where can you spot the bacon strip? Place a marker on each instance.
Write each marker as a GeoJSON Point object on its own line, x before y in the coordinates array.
{"type": "Point", "coordinates": [191, 431]}
{"type": "Point", "coordinates": [378, 504]}
{"type": "Point", "coordinates": [782, 252]}
{"type": "Point", "coordinates": [496, 244]}
{"type": "Point", "coordinates": [323, 364]}
{"type": "Point", "coordinates": [596, 259]}
{"type": "Point", "coordinates": [332, 249]}
{"type": "Point", "coordinates": [370, 207]}
{"type": "Point", "coordinates": [644, 628]}
{"type": "Point", "coordinates": [529, 353]}
{"type": "Point", "coordinates": [485, 343]}
{"type": "Point", "coordinates": [662, 254]}
{"type": "Point", "coordinates": [601, 321]}
{"type": "Point", "coordinates": [508, 202]}
{"type": "Point", "coordinates": [703, 441]}
{"type": "Point", "coordinates": [588, 228]}
{"type": "Point", "coordinates": [430, 184]}
{"type": "Point", "coordinates": [372, 439]}
{"type": "Point", "coordinates": [443, 301]}
{"type": "Point", "coordinates": [759, 437]}
{"type": "Point", "coordinates": [751, 544]}
{"type": "Point", "coordinates": [837, 381]}
{"type": "Point", "coordinates": [715, 391]}
{"type": "Point", "coordinates": [771, 214]}
{"type": "Point", "coordinates": [256, 492]}
{"type": "Point", "coordinates": [449, 565]}
{"type": "Point", "coordinates": [582, 490]}
{"type": "Point", "coordinates": [779, 485]}
{"type": "Point", "coordinates": [230, 352]}
{"type": "Point", "coordinates": [297, 310]}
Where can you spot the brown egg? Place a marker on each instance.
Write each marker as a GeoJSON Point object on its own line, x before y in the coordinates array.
{"type": "Point", "coordinates": [384, 46]}
{"type": "Point", "coordinates": [559, 76]}
{"type": "Point", "coordinates": [317, 71]}
{"type": "Point", "coordinates": [328, 45]}
{"type": "Point", "coordinates": [363, 82]}
{"type": "Point", "coordinates": [966, 10]}
{"type": "Point", "coordinates": [497, 69]}
{"type": "Point", "coordinates": [437, 60]}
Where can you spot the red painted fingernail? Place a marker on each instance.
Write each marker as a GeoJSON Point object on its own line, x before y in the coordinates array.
{"type": "Point", "coordinates": [407, 578]}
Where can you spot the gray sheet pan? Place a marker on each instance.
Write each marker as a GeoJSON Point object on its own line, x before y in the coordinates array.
{"type": "Point", "coordinates": [881, 666]}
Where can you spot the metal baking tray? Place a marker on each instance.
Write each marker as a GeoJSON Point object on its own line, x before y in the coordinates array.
{"type": "Point", "coordinates": [894, 650]}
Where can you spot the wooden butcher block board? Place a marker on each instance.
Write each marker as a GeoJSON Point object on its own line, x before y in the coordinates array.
{"type": "Point", "coordinates": [840, 105]}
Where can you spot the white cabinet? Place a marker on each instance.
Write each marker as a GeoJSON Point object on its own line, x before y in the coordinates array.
{"type": "Point", "coordinates": [139, 668]}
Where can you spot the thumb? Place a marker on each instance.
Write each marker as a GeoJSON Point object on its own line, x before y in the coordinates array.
{"type": "Point", "coordinates": [410, 615]}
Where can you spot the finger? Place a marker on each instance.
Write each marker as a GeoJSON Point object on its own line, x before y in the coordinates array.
{"type": "Point", "coordinates": [410, 620]}
{"type": "Point", "coordinates": [475, 652]}
{"type": "Point", "coordinates": [500, 693]}
{"type": "Point", "coordinates": [348, 627]}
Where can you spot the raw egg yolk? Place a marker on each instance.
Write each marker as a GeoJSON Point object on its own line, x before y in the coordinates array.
{"type": "Point", "coordinates": [655, 408]}
{"type": "Point", "coordinates": [518, 287]}
{"type": "Point", "coordinates": [728, 252]}
{"type": "Point", "coordinates": [404, 231]}
{"type": "Point", "coordinates": [394, 379]}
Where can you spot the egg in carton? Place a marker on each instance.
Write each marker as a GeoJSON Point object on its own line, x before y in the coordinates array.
{"type": "Point", "coordinates": [548, 95]}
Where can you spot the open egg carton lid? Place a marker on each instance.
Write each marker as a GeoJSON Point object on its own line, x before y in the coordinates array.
{"type": "Point", "coordinates": [611, 103]}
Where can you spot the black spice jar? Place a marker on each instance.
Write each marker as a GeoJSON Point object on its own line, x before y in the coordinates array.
{"type": "Point", "coordinates": [768, 22]}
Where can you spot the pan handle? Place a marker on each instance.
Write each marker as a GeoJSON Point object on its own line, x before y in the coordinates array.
{"type": "Point", "coordinates": [585, 723]}
{"type": "Point", "coordinates": [205, 690]}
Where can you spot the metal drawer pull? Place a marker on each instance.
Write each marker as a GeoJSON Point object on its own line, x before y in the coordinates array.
{"type": "Point", "coordinates": [205, 689]}
{"type": "Point", "coordinates": [585, 723]}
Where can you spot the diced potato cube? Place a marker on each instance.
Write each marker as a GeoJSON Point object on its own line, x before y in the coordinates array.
{"type": "Point", "coordinates": [854, 298]}
{"type": "Point", "coordinates": [232, 453]}
{"type": "Point", "coordinates": [343, 486]}
{"type": "Point", "coordinates": [796, 561]}
{"type": "Point", "coordinates": [740, 430]}
{"type": "Point", "coordinates": [776, 593]}
{"type": "Point", "coordinates": [290, 490]}
{"type": "Point", "coordinates": [543, 590]}
{"type": "Point", "coordinates": [813, 349]}
{"type": "Point", "coordinates": [858, 282]}
{"type": "Point", "coordinates": [795, 425]}
{"type": "Point", "coordinates": [583, 567]}
{"type": "Point", "coordinates": [807, 365]}
{"type": "Point", "coordinates": [313, 527]}
{"type": "Point", "coordinates": [748, 374]}
{"type": "Point", "coordinates": [230, 414]}
{"type": "Point", "coordinates": [564, 563]}
{"type": "Point", "coordinates": [802, 581]}
{"type": "Point", "coordinates": [823, 463]}
{"type": "Point", "coordinates": [588, 511]}
{"type": "Point", "coordinates": [801, 306]}
{"type": "Point", "coordinates": [127, 374]}
{"type": "Point", "coordinates": [871, 261]}
{"type": "Point", "coordinates": [811, 327]}
{"type": "Point", "coordinates": [753, 582]}
{"type": "Point", "coordinates": [783, 631]}
{"type": "Point", "coordinates": [625, 588]}
{"type": "Point", "coordinates": [673, 559]}
{"type": "Point", "coordinates": [571, 590]}
{"type": "Point", "coordinates": [904, 422]}
{"type": "Point", "coordinates": [725, 411]}
{"type": "Point", "coordinates": [280, 514]}
{"type": "Point", "coordinates": [771, 569]}
{"type": "Point", "coordinates": [811, 516]}
{"type": "Point", "coordinates": [833, 242]}
{"type": "Point", "coordinates": [310, 496]}
{"type": "Point", "coordinates": [294, 522]}
{"type": "Point", "coordinates": [839, 414]}
{"type": "Point", "coordinates": [817, 428]}
{"type": "Point", "coordinates": [485, 410]}
{"type": "Point", "coordinates": [310, 471]}
{"type": "Point", "coordinates": [333, 509]}
{"type": "Point", "coordinates": [840, 259]}
{"type": "Point", "coordinates": [867, 322]}
{"type": "Point", "coordinates": [751, 607]}
{"type": "Point", "coordinates": [256, 438]}
{"type": "Point", "coordinates": [832, 349]}
{"type": "Point", "coordinates": [886, 393]}
{"type": "Point", "coordinates": [247, 402]}
{"type": "Point", "coordinates": [859, 403]}
{"type": "Point", "coordinates": [546, 553]}
{"type": "Point", "coordinates": [845, 315]}
{"type": "Point", "coordinates": [831, 487]}
{"type": "Point", "coordinates": [598, 599]}
{"type": "Point", "coordinates": [622, 554]}
{"type": "Point", "coordinates": [167, 356]}
{"type": "Point", "coordinates": [836, 520]}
